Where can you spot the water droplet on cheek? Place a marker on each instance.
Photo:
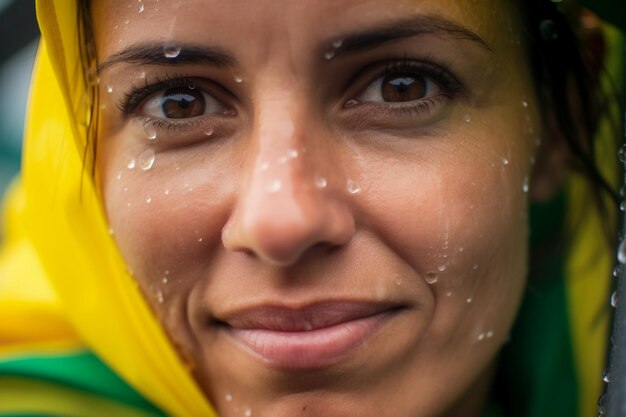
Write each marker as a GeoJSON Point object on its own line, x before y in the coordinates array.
{"type": "Point", "coordinates": [321, 182]}
{"type": "Point", "coordinates": [131, 164]}
{"type": "Point", "coordinates": [353, 187]}
{"type": "Point", "coordinates": [431, 277]}
{"type": "Point", "coordinates": [328, 55]}
{"type": "Point", "coordinates": [140, 8]}
{"type": "Point", "coordinates": [441, 268]}
{"type": "Point", "coordinates": [150, 131]}
{"type": "Point", "coordinates": [146, 159]}
{"type": "Point", "coordinates": [505, 161]}
{"type": "Point", "coordinates": [159, 296]}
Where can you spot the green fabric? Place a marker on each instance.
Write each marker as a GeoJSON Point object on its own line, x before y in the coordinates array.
{"type": "Point", "coordinates": [82, 371]}
{"type": "Point", "coordinates": [538, 376]}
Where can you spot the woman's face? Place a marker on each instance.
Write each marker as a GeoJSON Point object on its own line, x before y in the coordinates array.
{"type": "Point", "coordinates": [323, 201]}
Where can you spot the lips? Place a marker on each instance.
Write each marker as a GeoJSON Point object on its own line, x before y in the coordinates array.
{"type": "Point", "coordinates": [316, 336]}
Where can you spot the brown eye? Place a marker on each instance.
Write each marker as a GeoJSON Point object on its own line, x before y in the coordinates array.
{"type": "Point", "coordinates": [182, 103]}
{"type": "Point", "coordinates": [398, 88]}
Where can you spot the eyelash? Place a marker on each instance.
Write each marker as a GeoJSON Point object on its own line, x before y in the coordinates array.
{"type": "Point", "coordinates": [450, 89]}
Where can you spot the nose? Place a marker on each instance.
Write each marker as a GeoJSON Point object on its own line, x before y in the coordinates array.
{"type": "Point", "coordinates": [288, 203]}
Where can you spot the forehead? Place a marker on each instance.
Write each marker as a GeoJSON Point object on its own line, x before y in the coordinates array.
{"type": "Point", "coordinates": [262, 23]}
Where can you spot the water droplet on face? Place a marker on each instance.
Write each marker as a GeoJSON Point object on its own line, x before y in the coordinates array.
{"type": "Point", "coordinates": [398, 279]}
{"type": "Point", "coordinates": [441, 268]}
{"type": "Point", "coordinates": [238, 79]}
{"type": "Point", "coordinates": [150, 131]}
{"type": "Point", "coordinates": [337, 43]}
{"type": "Point", "coordinates": [605, 377]}
{"type": "Point", "coordinates": [140, 9]}
{"type": "Point", "coordinates": [321, 182]}
{"type": "Point", "coordinates": [489, 334]}
{"type": "Point", "coordinates": [119, 176]}
{"type": "Point", "coordinates": [159, 296]}
{"type": "Point", "coordinates": [171, 51]}
{"type": "Point", "coordinates": [146, 159]}
{"type": "Point", "coordinates": [461, 249]}
{"type": "Point", "coordinates": [622, 206]}
{"type": "Point", "coordinates": [449, 294]}
{"type": "Point", "coordinates": [274, 186]}
{"type": "Point", "coordinates": [505, 161]}
{"type": "Point", "coordinates": [164, 280]}
{"type": "Point", "coordinates": [109, 89]}
{"type": "Point", "coordinates": [481, 337]}
{"type": "Point", "coordinates": [265, 166]}
{"type": "Point", "coordinates": [350, 103]}
{"type": "Point", "coordinates": [469, 300]}
{"type": "Point", "coordinates": [200, 239]}
{"type": "Point", "coordinates": [353, 187]}
{"type": "Point", "coordinates": [208, 132]}
{"type": "Point", "coordinates": [166, 192]}
{"type": "Point", "coordinates": [228, 397]}
{"type": "Point", "coordinates": [467, 118]}
{"type": "Point", "coordinates": [475, 267]}
{"type": "Point", "coordinates": [247, 412]}
{"type": "Point", "coordinates": [328, 55]}
{"type": "Point", "coordinates": [621, 252]}
{"type": "Point", "coordinates": [125, 189]}
{"type": "Point", "coordinates": [131, 164]}
{"type": "Point", "coordinates": [148, 199]}
{"type": "Point", "coordinates": [524, 103]}
{"type": "Point", "coordinates": [293, 154]}
{"type": "Point", "coordinates": [229, 112]}
{"type": "Point", "coordinates": [525, 185]}
{"type": "Point", "coordinates": [431, 277]}
{"type": "Point", "coordinates": [614, 299]}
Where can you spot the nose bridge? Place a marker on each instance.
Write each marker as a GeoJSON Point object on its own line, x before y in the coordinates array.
{"type": "Point", "coordinates": [284, 208]}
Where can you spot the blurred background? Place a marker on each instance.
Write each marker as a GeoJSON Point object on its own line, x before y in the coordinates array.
{"type": "Point", "coordinates": [19, 35]}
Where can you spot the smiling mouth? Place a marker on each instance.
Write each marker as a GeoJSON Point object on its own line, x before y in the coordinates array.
{"type": "Point", "coordinates": [313, 337]}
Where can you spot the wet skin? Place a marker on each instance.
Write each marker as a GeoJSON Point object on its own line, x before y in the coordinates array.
{"type": "Point", "coordinates": [334, 222]}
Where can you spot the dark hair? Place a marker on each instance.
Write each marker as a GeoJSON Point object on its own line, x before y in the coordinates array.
{"type": "Point", "coordinates": [567, 62]}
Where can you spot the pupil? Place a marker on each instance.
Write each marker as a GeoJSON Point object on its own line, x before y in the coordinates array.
{"type": "Point", "coordinates": [182, 103]}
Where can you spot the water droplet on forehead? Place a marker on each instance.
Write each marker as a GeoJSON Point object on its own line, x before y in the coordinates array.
{"type": "Point", "coordinates": [146, 159]}
{"type": "Point", "coordinates": [353, 187]}
{"type": "Point", "coordinates": [431, 277]}
{"type": "Point", "coordinates": [274, 186]}
{"type": "Point", "coordinates": [150, 131]}
{"type": "Point", "coordinates": [171, 50]}
{"type": "Point", "coordinates": [321, 182]}
{"type": "Point", "coordinates": [131, 164]}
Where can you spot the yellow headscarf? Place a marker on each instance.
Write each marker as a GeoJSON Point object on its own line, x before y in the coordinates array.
{"type": "Point", "coordinates": [62, 280]}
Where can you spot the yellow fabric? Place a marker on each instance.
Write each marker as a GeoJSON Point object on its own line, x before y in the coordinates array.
{"type": "Point", "coordinates": [60, 262]}
{"type": "Point", "coordinates": [591, 259]}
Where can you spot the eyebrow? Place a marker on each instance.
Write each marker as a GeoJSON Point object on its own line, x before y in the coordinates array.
{"type": "Point", "coordinates": [397, 30]}
{"type": "Point", "coordinates": [154, 54]}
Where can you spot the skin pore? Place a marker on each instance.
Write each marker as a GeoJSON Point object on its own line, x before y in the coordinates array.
{"type": "Point", "coordinates": [352, 176]}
